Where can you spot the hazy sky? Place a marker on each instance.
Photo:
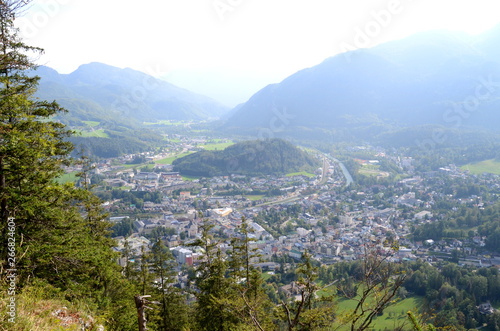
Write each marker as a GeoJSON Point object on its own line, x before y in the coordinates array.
{"type": "Point", "coordinates": [243, 44]}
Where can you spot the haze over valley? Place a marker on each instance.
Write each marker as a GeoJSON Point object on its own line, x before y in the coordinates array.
{"type": "Point", "coordinates": [250, 165]}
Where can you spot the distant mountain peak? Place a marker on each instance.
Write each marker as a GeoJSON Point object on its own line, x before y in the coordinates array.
{"type": "Point", "coordinates": [412, 81]}
{"type": "Point", "coordinates": [126, 92]}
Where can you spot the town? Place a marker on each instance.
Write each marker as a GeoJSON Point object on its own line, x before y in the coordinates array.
{"type": "Point", "coordinates": [324, 213]}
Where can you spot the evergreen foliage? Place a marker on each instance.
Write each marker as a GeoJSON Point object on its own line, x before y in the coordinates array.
{"type": "Point", "coordinates": [258, 157]}
{"type": "Point", "coordinates": [60, 235]}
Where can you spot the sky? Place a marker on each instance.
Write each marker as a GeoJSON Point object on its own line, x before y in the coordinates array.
{"type": "Point", "coordinates": [229, 49]}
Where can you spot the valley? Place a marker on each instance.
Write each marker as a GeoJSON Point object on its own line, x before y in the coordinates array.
{"type": "Point", "coordinates": [355, 191]}
{"type": "Point", "coordinates": [374, 195]}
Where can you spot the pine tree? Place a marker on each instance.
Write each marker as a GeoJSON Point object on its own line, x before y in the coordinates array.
{"type": "Point", "coordinates": [32, 148]}
{"type": "Point", "coordinates": [128, 268]}
{"type": "Point", "coordinates": [252, 303]}
{"type": "Point", "coordinates": [145, 277]}
{"type": "Point", "coordinates": [215, 292]}
{"type": "Point", "coordinates": [60, 232]}
{"type": "Point", "coordinates": [173, 312]}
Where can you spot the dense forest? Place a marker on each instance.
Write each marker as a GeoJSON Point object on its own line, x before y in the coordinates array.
{"type": "Point", "coordinates": [54, 240]}
{"type": "Point", "coordinates": [271, 156]}
{"type": "Point", "coordinates": [116, 143]}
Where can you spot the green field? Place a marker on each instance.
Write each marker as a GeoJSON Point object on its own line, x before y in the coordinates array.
{"type": "Point", "coordinates": [372, 170]}
{"type": "Point", "coordinates": [254, 197]}
{"type": "Point", "coordinates": [125, 188]}
{"type": "Point", "coordinates": [67, 178]}
{"type": "Point", "coordinates": [92, 123]}
{"type": "Point", "coordinates": [216, 146]}
{"type": "Point", "coordinates": [302, 173]}
{"type": "Point", "coordinates": [394, 315]}
{"type": "Point", "coordinates": [169, 160]}
{"type": "Point", "coordinates": [190, 178]}
{"type": "Point", "coordinates": [488, 166]}
{"type": "Point", "coordinates": [266, 276]}
{"type": "Point", "coordinates": [96, 133]}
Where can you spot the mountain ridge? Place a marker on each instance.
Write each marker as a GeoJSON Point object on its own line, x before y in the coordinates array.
{"type": "Point", "coordinates": [95, 91]}
{"type": "Point", "coordinates": [413, 81]}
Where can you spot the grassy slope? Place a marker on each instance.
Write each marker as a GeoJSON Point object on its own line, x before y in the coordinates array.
{"type": "Point", "coordinates": [217, 146]}
{"type": "Point", "coordinates": [42, 308]}
{"type": "Point", "coordinates": [394, 315]}
{"type": "Point", "coordinates": [171, 159]}
{"type": "Point", "coordinates": [100, 133]}
{"type": "Point", "coordinates": [489, 166]}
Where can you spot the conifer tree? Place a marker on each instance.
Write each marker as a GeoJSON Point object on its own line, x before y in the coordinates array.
{"type": "Point", "coordinates": [252, 303]}
{"type": "Point", "coordinates": [32, 148]}
{"type": "Point", "coordinates": [61, 236]}
{"type": "Point", "coordinates": [145, 277]}
{"type": "Point", "coordinates": [173, 311]}
{"type": "Point", "coordinates": [215, 292]}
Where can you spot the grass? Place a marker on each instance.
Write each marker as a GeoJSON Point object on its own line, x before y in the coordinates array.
{"type": "Point", "coordinates": [148, 166]}
{"type": "Point", "coordinates": [190, 178]}
{"type": "Point", "coordinates": [372, 170]}
{"type": "Point", "coordinates": [302, 173]}
{"type": "Point", "coordinates": [41, 307]}
{"type": "Point", "coordinates": [96, 133]}
{"type": "Point", "coordinates": [254, 197]}
{"type": "Point", "coordinates": [125, 188]}
{"type": "Point", "coordinates": [266, 276]}
{"type": "Point", "coordinates": [91, 123]}
{"type": "Point", "coordinates": [393, 316]}
{"type": "Point", "coordinates": [217, 146]}
{"type": "Point", "coordinates": [487, 166]}
{"type": "Point", "coordinates": [68, 178]}
{"type": "Point", "coordinates": [127, 166]}
{"type": "Point", "coordinates": [169, 160]}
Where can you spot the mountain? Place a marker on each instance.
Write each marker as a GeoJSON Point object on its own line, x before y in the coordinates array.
{"type": "Point", "coordinates": [97, 91]}
{"type": "Point", "coordinates": [257, 157]}
{"type": "Point", "coordinates": [435, 78]}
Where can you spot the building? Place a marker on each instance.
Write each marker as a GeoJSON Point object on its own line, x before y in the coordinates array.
{"type": "Point", "coordinates": [221, 212]}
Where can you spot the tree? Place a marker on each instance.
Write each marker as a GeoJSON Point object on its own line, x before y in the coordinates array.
{"type": "Point", "coordinates": [306, 312]}
{"type": "Point", "coordinates": [173, 313]}
{"type": "Point", "coordinates": [60, 233]}
{"type": "Point", "coordinates": [215, 292]}
{"type": "Point", "coordinates": [418, 325]}
{"type": "Point", "coordinates": [380, 283]}
{"type": "Point", "coordinates": [32, 149]}
{"type": "Point", "coordinates": [128, 270]}
{"type": "Point", "coordinates": [253, 303]}
{"type": "Point", "coordinates": [145, 277]}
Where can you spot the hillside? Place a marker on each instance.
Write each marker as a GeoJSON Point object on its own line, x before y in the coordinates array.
{"type": "Point", "coordinates": [99, 92]}
{"type": "Point", "coordinates": [437, 78]}
{"type": "Point", "coordinates": [272, 156]}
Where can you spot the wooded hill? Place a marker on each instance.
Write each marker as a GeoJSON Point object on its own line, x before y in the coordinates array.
{"type": "Point", "coordinates": [257, 157]}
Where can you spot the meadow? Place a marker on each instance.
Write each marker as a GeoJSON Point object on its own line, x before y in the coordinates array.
{"type": "Point", "coordinates": [487, 166]}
